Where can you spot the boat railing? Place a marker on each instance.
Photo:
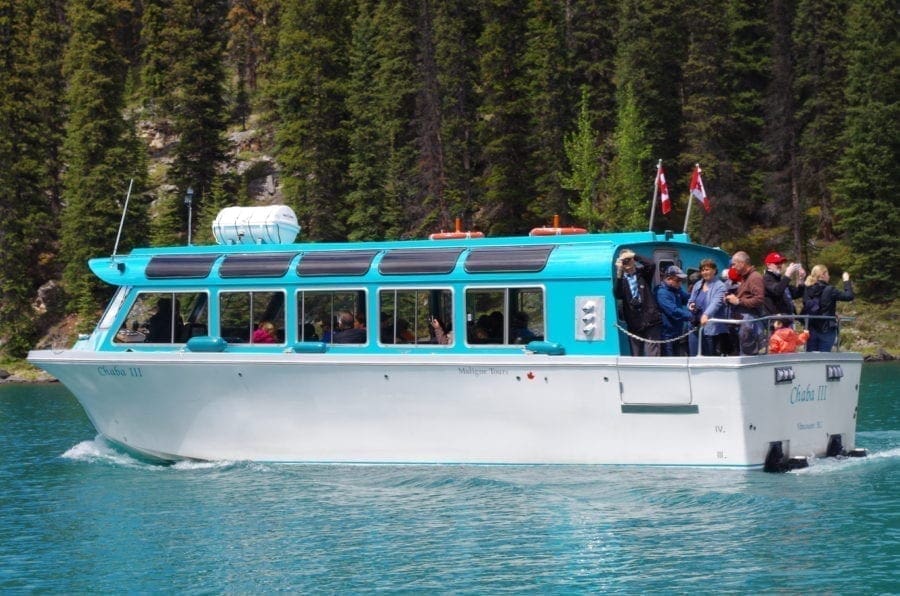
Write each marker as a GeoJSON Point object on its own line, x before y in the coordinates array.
{"type": "Point", "coordinates": [760, 328]}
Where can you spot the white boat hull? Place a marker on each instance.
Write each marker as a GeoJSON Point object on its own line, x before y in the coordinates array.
{"type": "Point", "coordinates": [504, 409]}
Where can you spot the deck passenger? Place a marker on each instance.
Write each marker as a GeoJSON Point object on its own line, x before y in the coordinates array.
{"type": "Point", "coordinates": [352, 330]}
{"type": "Point", "coordinates": [672, 301]}
{"type": "Point", "coordinates": [748, 303]}
{"type": "Point", "coordinates": [784, 339]}
{"type": "Point", "coordinates": [820, 298]}
{"type": "Point", "coordinates": [707, 302]}
{"type": "Point", "coordinates": [634, 276]}
{"type": "Point", "coordinates": [780, 293]}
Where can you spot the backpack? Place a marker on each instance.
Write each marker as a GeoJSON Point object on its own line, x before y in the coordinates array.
{"type": "Point", "coordinates": [812, 306]}
{"type": "Point", "coordinates": [817, 305]}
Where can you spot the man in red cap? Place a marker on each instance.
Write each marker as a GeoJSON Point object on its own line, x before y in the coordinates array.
{"type": "Point", "coordinates": [780, 294]}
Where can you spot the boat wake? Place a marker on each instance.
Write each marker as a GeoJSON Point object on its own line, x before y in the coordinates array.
{"type": "Point", "coordinates": [829, 465]}
{"type": "Point", "coordinates": [99, 450]}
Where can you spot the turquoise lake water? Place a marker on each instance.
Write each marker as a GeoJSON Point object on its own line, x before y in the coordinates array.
{"type": "Point", "coordinates": [78, 516]}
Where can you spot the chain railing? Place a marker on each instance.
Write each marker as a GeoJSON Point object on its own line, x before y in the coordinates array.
{"type": "Point", "coordinates": [761, 323]}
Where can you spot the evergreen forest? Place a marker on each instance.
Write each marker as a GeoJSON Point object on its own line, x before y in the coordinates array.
{"type": "Point", "coordinates": [385, 119]}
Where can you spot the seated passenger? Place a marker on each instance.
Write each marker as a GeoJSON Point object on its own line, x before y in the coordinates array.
{"type": "Point", "coordinates": [442, 334]}
{"type": "Point", "coordinates": [162, 323]}
{"type": "Point", "coordinates": [264, 334]}
{"type": "Point", "coordinates": [351, 330]}
{"type": "Point", "coordinates": [404, 334]}
{"type": "Point", "coordinates": [309, 332]}
{"type": "Point", "coordinates": [519, 333]}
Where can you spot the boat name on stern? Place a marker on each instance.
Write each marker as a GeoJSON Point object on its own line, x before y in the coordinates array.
{"type": "Point", "coordinates": [800, 394]}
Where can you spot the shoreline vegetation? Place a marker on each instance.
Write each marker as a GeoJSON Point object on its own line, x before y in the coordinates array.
{"type": "Point", "coordinates": [872, 329]}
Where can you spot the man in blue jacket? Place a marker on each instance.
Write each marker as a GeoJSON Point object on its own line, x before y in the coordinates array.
{"type": "Point", "coordinates": [672, 300]}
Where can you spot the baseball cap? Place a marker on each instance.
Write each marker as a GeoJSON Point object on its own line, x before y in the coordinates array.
{"type": "Point", "coordinates": [774, 258]}
{"type": "Point", "coordinates": [675, 271]}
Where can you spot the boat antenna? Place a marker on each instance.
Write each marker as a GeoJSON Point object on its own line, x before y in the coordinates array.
{"type": "Point", "coordinates": [122, 221]}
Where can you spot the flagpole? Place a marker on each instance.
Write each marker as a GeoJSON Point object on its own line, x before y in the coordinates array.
{"type": "Point", "coordinates": [687, 215]}
{"type": "Point", "coordinates": [655, 194]}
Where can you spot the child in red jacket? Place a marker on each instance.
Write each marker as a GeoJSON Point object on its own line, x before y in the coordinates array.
{"type": "Point", "coordinates": [784, 339]}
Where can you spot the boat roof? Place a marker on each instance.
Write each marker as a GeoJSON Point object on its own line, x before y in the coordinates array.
{"type": "Point", "coordinates": [573, 256]}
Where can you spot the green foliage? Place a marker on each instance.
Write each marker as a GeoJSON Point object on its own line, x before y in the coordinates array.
{"type": "Point", "coordinates": [583, 153]}
{"type": "Point", "coordinates": [30, 116]}
{"type": "Point", "coordinates": [820, 60]}
{"type": "Point", "coordinates": [625, 202]}
{"type": "Point", "coordinates": [507, 179]}
{"type": "Point", "coordinates": [457, 26]}
{"type": "Point", "coordinates": [547, 76]}
{"type": "Point", "coordinates": [101, 150]}
{"type": "Point", "coordinates": [868, 188]}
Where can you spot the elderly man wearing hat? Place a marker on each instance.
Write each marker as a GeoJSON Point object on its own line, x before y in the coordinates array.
{"type": "Point", "coordinates": [634, 277]}
{"type": "Point", "coordinates": [673, 300]}
{"type": "Point", "coordinates": [780, 294]}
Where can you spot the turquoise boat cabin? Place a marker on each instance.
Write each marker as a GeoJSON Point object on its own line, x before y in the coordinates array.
{"type": "Point", "coordinates": [455, 294]}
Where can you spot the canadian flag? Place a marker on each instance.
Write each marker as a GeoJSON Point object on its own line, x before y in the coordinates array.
{"type": "Point", "coordinates": [663, 190]}
{"type": "Point", "coordinates": [697, 189]}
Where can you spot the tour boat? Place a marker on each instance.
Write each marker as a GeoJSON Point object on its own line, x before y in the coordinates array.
{"type": "Point", "coordinates": [463, 349]}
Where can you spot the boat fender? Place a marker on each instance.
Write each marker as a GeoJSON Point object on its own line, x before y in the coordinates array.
{"type": "Point", "coordinates": [309, 347]}
{"type": "Point", "coordinates": [546, 347]}
{"type": "Point", "coordinates": [206, 343]}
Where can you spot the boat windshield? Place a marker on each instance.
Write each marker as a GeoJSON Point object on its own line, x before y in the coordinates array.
{"type": "Point", "coordinates": [112, 310]}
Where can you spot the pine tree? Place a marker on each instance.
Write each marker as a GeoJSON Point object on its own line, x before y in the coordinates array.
{"type": "Point", "coordinates": [649, 57]}
{"type": "Point", "coordinates": [197, 89]}
{"type": "Point", "coordinates": [583, 153]}
{"type": "Point", "coordinates": [867, 187]}
{"type": "Point", "coordinates": [820, 66]}
{"type": "Point", "coordinates": [504, 119]}
{"type": "Point", "coordinates": [780, 136]}
{"type": "Point", "coordinates": [30, 112]}
{"type": "Point", "coordinates": [383, 92]}
{"type": "Point", "coordinates": [310, 89]}
{"type": "Point", "coordinates": [590, 33]}
{"type": "Point", "coordinates": [100, 148]}
{"type": "Point", "coordinates": [707, 117]}
{"type": "Point", "coordinates": [625, 202]}
{"type": "Point", "coordinates": [550, 104]}
{"type": "Point", "coordinates": [457, 27]}
{"type": "Point", "coordinates": [184, 79]}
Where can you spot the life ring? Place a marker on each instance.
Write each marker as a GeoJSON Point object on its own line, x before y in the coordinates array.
{"type": "Point", "coordinates": [455, 235]}
{"type": "Point", "coordinates": [556, 231]}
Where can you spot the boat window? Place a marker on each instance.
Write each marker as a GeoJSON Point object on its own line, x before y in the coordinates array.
{"type": "Point", "coordinates": [256, 265]}
{"type": "Point", "coordinates": [332, 316]}
{"type": "Point", "coordinates": [251, 317]}
{"type": "Point", "coordinates": [180, 266]}
{"type": "Point", "coordinates": [504, 316]}
{"type": "Point", "coordinates": [508, 259]}
{"type": "Point", "coordinates": [112, 310]}
{"type": "Point", "coordinates": [164, 318]}
{"type": "Point", "coordinates": [407, 316]}
{"type": "Point", "coordinates": [336, 262]}
{"type": "Point", "coordinates": [410, 261]}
